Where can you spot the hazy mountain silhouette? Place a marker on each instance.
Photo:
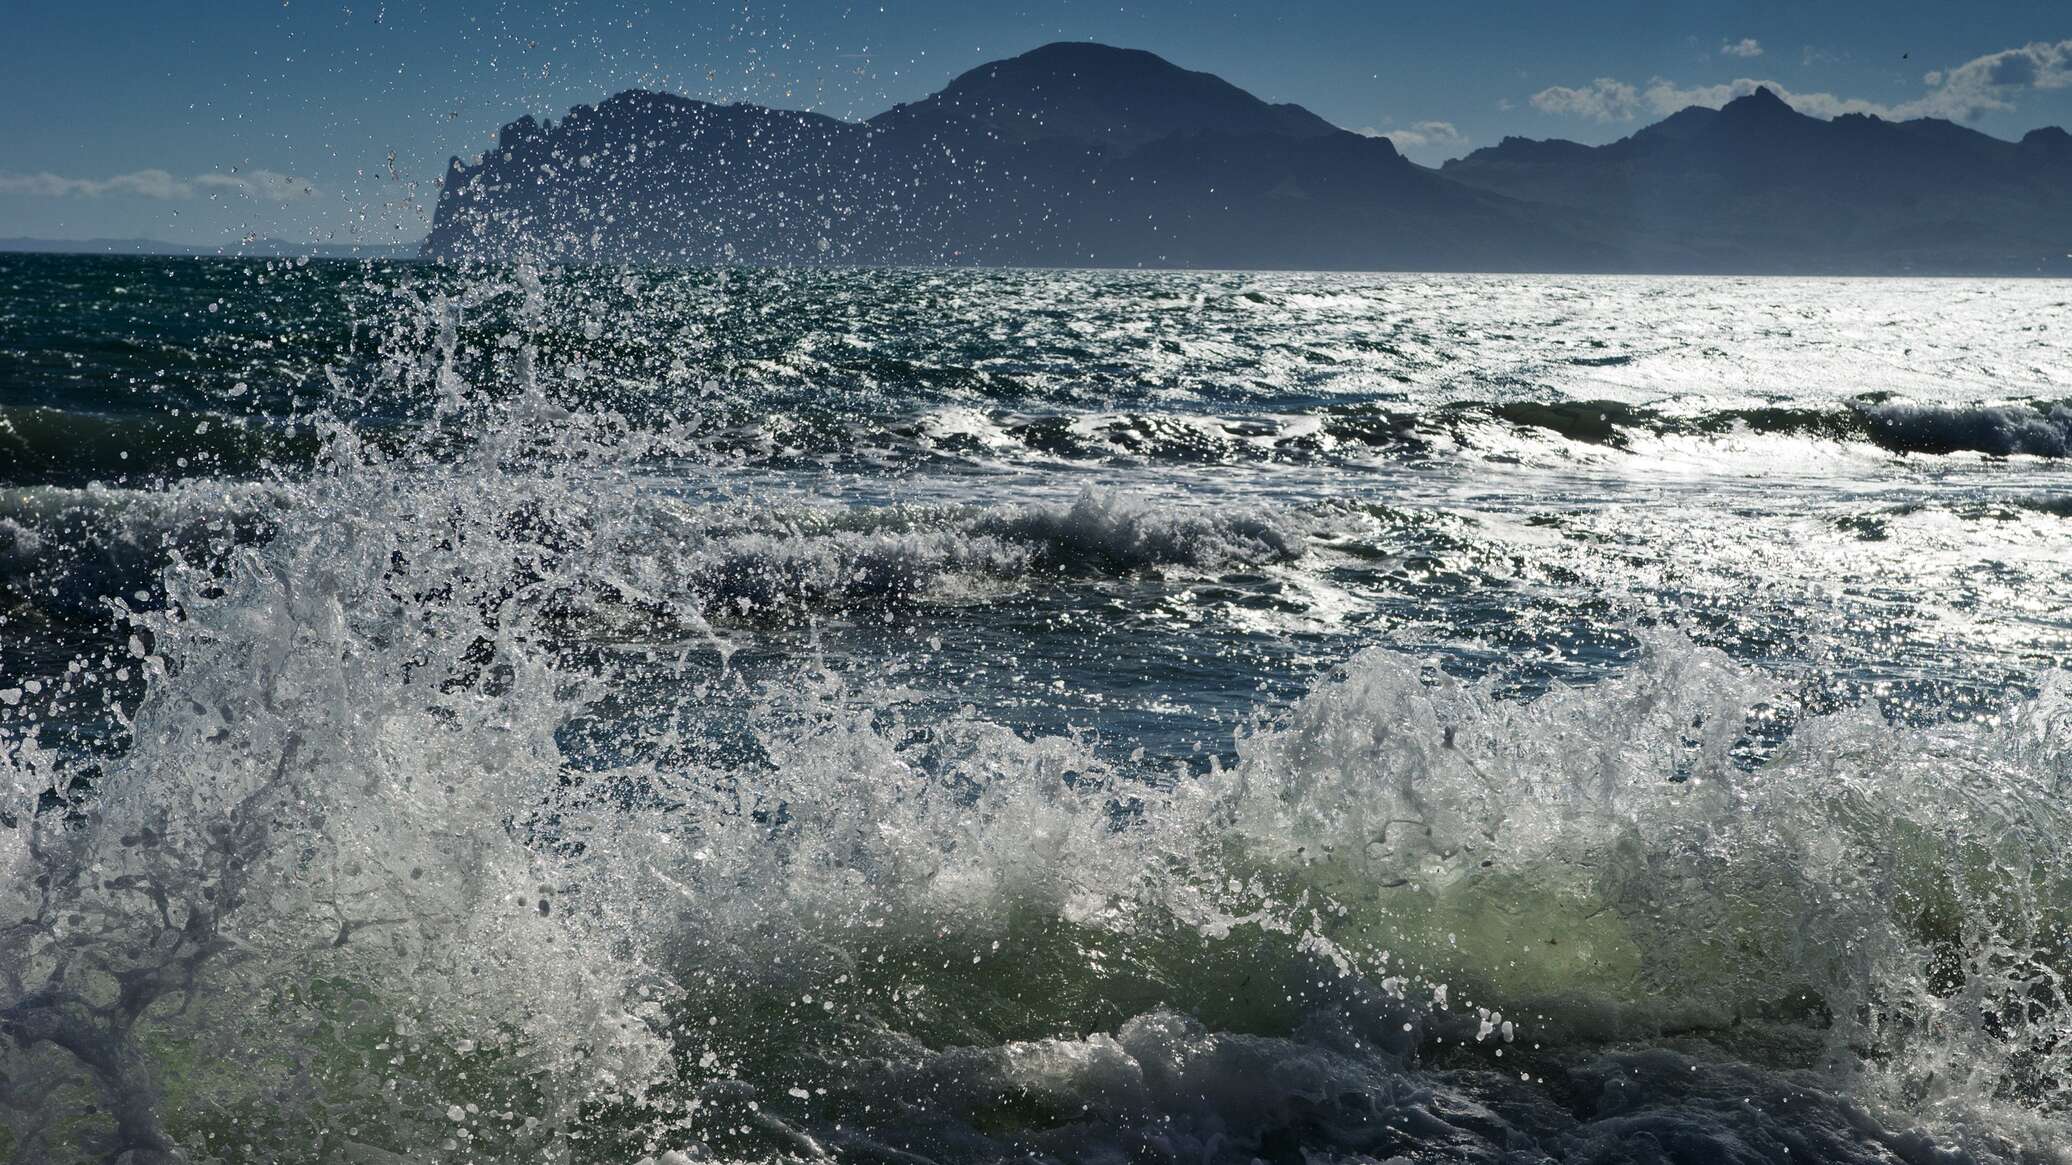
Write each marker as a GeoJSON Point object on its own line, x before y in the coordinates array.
{"type": "Point", "coordinates": [1081, 154]}
{"type": "Point", "coordinates": [1758, 186]}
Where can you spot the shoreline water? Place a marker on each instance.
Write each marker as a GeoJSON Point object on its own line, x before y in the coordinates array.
{"type": "Point", "coordinates": [945, 715]}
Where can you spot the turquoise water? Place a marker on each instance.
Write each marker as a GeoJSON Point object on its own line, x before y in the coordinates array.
{"type": "Point", "coordinates": [890, 715]}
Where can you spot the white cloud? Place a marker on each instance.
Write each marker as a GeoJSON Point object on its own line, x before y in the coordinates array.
{"type": "Point", "coordinates": [1981, 85]}
{"type": "Point", "coordinates": [265, 185]}
{"type": "Point", "coordinates": [1605, 99]}
{"type": "Point", "coordinates": [1747, 46]}
{"type": "Point", "coordinates": [1423, 135]}
{"type": "Point", "coordinates": [146, 183]}
{"type": "Point", "coordinates": [1988, 82]}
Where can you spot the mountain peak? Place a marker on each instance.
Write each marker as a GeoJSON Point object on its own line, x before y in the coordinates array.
{"type": "Point", "coordinates": [1084, 54]}
{"type": "Point", "coordinates": [1117, 97]}
{"type": "Point", "coordinates": [1764, 102]}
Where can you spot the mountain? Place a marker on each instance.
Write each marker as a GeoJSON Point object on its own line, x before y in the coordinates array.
{"type": "Point", "coordinates": [1093, 94]}
{"type": "Point", "coordinates": [1759, 186]}
{"type": "Point", "coordinates": [1073, 154]}
{"type": "Point", "coordinates": [1086, 155]}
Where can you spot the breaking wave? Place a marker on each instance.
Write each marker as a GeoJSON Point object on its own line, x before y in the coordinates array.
{"type": "Point", "coordinates": [2043, 430]}
{"type": "Point", "coordinates": [769, 559]}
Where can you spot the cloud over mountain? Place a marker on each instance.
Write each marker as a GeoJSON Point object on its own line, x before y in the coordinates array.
{"type": "Point", "coordinates": [1605, 99]}
{"type": "Point", "coordinates": [1981, 85]}
{"type": "Point", "coordinates": [1420, 136]}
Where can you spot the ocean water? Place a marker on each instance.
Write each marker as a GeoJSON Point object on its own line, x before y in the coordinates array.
{"type": "Point", "coordinates": [618, 715]}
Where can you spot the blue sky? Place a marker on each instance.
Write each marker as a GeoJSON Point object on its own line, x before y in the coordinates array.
{"type": "Point", "coordinates": [332, 120]}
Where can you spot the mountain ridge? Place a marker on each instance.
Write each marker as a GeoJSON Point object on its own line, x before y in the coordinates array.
{"type": "Point", "coordinates": [1759, 178]}
{"type": "Point", "coordinates": [1078, 154]}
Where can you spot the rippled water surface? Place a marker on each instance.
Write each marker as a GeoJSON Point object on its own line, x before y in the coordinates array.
{"type": "Point", "coordinates": [1082, 716]}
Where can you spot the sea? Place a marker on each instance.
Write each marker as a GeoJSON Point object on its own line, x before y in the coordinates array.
{"type": "Point", "coordinates": [655, 715]}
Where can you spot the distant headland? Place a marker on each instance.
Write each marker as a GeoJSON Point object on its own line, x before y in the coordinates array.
{"type": "Point", "coordinates": [243, 249]}
{"type": "Point", "coordinates": [1086, 155]}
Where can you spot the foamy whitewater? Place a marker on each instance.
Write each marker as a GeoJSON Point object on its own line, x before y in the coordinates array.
{"type": "Point", "coordinates": [604, 715]}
